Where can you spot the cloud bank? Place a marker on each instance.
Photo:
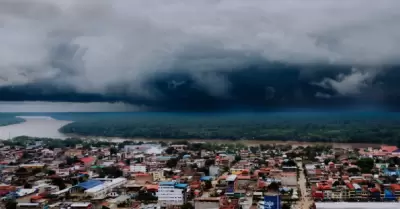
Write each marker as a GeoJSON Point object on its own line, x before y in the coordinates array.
{"type": "Point", "coordinates": [67, 107]}
{"type": "Point", "coordinates": [180, 54]}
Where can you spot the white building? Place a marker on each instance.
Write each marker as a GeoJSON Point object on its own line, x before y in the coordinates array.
{"type": "Point", "coordinates": [214, 170]}
{"type": "Point", "coordinates": [138, 168]}
{"type": "Point", "coordinates": [171, 193]}
{"type": "Point", "coordinates": [289, 179]}
{"type": "Point", "coordinates": [101, 191]}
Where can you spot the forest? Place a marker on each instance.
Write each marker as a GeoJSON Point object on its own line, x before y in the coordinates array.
{"type": "Point", "coordinates": [326, 127]}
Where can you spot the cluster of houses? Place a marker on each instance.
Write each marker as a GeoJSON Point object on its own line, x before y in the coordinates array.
{"type": "Point", "coordinates": [346, 180]}
{"type": "Point", "coordinates": [178, 176]}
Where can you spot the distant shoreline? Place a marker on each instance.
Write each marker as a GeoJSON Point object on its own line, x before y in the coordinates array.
{"type": "Point", "coordinates": [251, 142]}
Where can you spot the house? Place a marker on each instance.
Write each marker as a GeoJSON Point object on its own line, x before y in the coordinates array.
{"type": "Point", "coordinates": [207, 202]}
{"type": "Point", "coordinates": [289, 179]}
{"type": "Point", "coordinates": [171, 193]}
{"type": "Point", "coordinates": [142, 178]}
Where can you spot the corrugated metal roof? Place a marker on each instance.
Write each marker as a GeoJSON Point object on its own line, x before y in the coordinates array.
{"type": "Point", "coordinates": [89, 184]}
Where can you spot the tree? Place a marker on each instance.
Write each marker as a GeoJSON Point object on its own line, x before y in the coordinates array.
{"type": "Point", "coordinates": [208, 185]}
{"type": "Point", "coordinates": [273, 186]}
{"type": "Point", "coordinates": [128, 161]}
{"type": "Point", "coordinates": [238, 158]}
{"type": "Point", "coordinates": [113, 151]}
{"type": "Point", "coordinates": [170, 151]}
{"type": "Point", "coordinates": [209, 162]}
{"type": "Point", "coordinates": [171, 163]}
{"type": "Point", "coordinates": [26, 155]}
{"type": "Point", "coordinates": [27, 186]}
{"type": "Point", "coordinates": [58, 181]}
{"type": "Point", "coordinates": [187, 206]}
{"type": "Point", "coordinates": [365, 164]}
{"type": "Point", "coordinates": [11, 204]}
{"type": "Point", "coordinates": [51, 172]}
{"type": "Point", "coordinates": [112, 171]}
{"type": "Point", "coordinates": [286, 206]}
{"type": "Point", "coordinates": [353, 170]}
{"type": "Point", "coordinates": [336, 183]}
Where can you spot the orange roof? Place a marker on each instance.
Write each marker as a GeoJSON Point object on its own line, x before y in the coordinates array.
{"type": "Point", "coordinates": [395, 187]}
{"type": "Point", "coordinates": [36, 197]}
{"type": "Point", "coordinates": [151, 187]}
{"type": "Point", "coordinates": [87, 159]}
{"type": "Point", "coordinates": [389, 148]}
{"type": "Point", "coordinates": [243, 177]}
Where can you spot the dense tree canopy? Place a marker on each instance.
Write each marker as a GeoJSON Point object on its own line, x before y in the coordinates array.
{"type": "Point", "coordinates": [368, 128]}
{"type": "Point", "coordinates": [365, 164]}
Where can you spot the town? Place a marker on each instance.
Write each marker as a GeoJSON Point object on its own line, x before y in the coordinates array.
{"type": "Point", "coordinates": [91, 174]}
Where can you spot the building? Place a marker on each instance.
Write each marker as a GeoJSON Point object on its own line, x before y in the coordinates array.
{"type": "Point", "coordinates": [214, 170]}
{"type": "Point", "coordinates": [171, 193]}
{"type": "Point", "coordinates": [207, 202]}
{"type": "Point", "coordinates": [138, 168]}
{"type": "Point", "coordinates": [231, 184]}
{"type": "Point", "coordinates": [158, 175]}
{"type": "Point", "coordinates": [289, 179]}
{"type": "Point", "coordinates": [179, 147]}
{"type": "Point", "coordinates": [101, 191]}
{"type": "Point", "coordinates": [142, 178]}
{"type": "Point", "coordinates": [79, 189]}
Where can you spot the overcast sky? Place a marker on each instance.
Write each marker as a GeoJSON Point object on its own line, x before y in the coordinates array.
{"type": "Point", "coordinates": [101, 50]}
{"type": "Point", "coordinates": [66, 107]}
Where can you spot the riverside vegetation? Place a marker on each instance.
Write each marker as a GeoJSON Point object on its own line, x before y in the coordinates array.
{"type": "Point", "coordinates": [354, 127]}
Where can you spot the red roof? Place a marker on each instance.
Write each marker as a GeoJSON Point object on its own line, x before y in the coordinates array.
{"type": "Point", "coordinates": [389, 148]}
{"type": "Point", "coordinates": [374, 190]}
{"type": "Point", "coordinates": [243, 177]}
{"type": "Point", "coordinates": [395, 187]}
{"type": "Point", "coordinates": [151, 187]}
{"type": "Point", "coordinates": [87, 159]}
{"type": "Point", "coordinates": [349, 185]}
{"type": "Point", "coordinates": [318, 194]}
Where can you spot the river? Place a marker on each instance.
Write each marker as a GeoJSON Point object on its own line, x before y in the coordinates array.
{"type": "Point", "coordinates": [34, 126]}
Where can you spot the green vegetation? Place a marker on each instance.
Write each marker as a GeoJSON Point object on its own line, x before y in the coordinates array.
{"type": "Point", "coordinates": [375, 127]}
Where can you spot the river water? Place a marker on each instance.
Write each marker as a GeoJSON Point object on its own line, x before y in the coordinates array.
{"type": "Point", "coordinates": [34, 126]}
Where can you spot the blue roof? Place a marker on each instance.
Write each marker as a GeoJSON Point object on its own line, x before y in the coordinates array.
{"type": "Point", "coordinates": [165, 157]}
{"type": "Point", "coordinates": [391, 173]}
{"type": "Point", "coordinates": [167, 183]}
{"type": "Point", "coordinates": [89, 184]}
{"type": "Point", "coordinates": [186, 156]}
{"type": "Point", "coordinates": [181, 186]}
{"type": "Point", "coordinates": [206, 178]}
{"type": "Point", "coordinates": [389, 194]}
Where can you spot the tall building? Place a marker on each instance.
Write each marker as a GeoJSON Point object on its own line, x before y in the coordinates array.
{"type": "Point", "coordinates": [171, 193]}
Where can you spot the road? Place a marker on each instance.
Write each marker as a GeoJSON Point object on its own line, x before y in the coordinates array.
{"type": "Point", "coordinates": [305, 202]}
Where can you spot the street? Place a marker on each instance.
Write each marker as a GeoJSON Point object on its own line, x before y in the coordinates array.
{"type": "Point", "coordinates": [304, 201]}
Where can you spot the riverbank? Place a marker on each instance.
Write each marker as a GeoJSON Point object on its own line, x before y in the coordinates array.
{"type": "Point", "coordinates": [228, 141]}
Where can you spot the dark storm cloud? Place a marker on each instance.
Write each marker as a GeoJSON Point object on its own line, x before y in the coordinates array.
{"type": "Point", "coordinates": [194, 55]}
